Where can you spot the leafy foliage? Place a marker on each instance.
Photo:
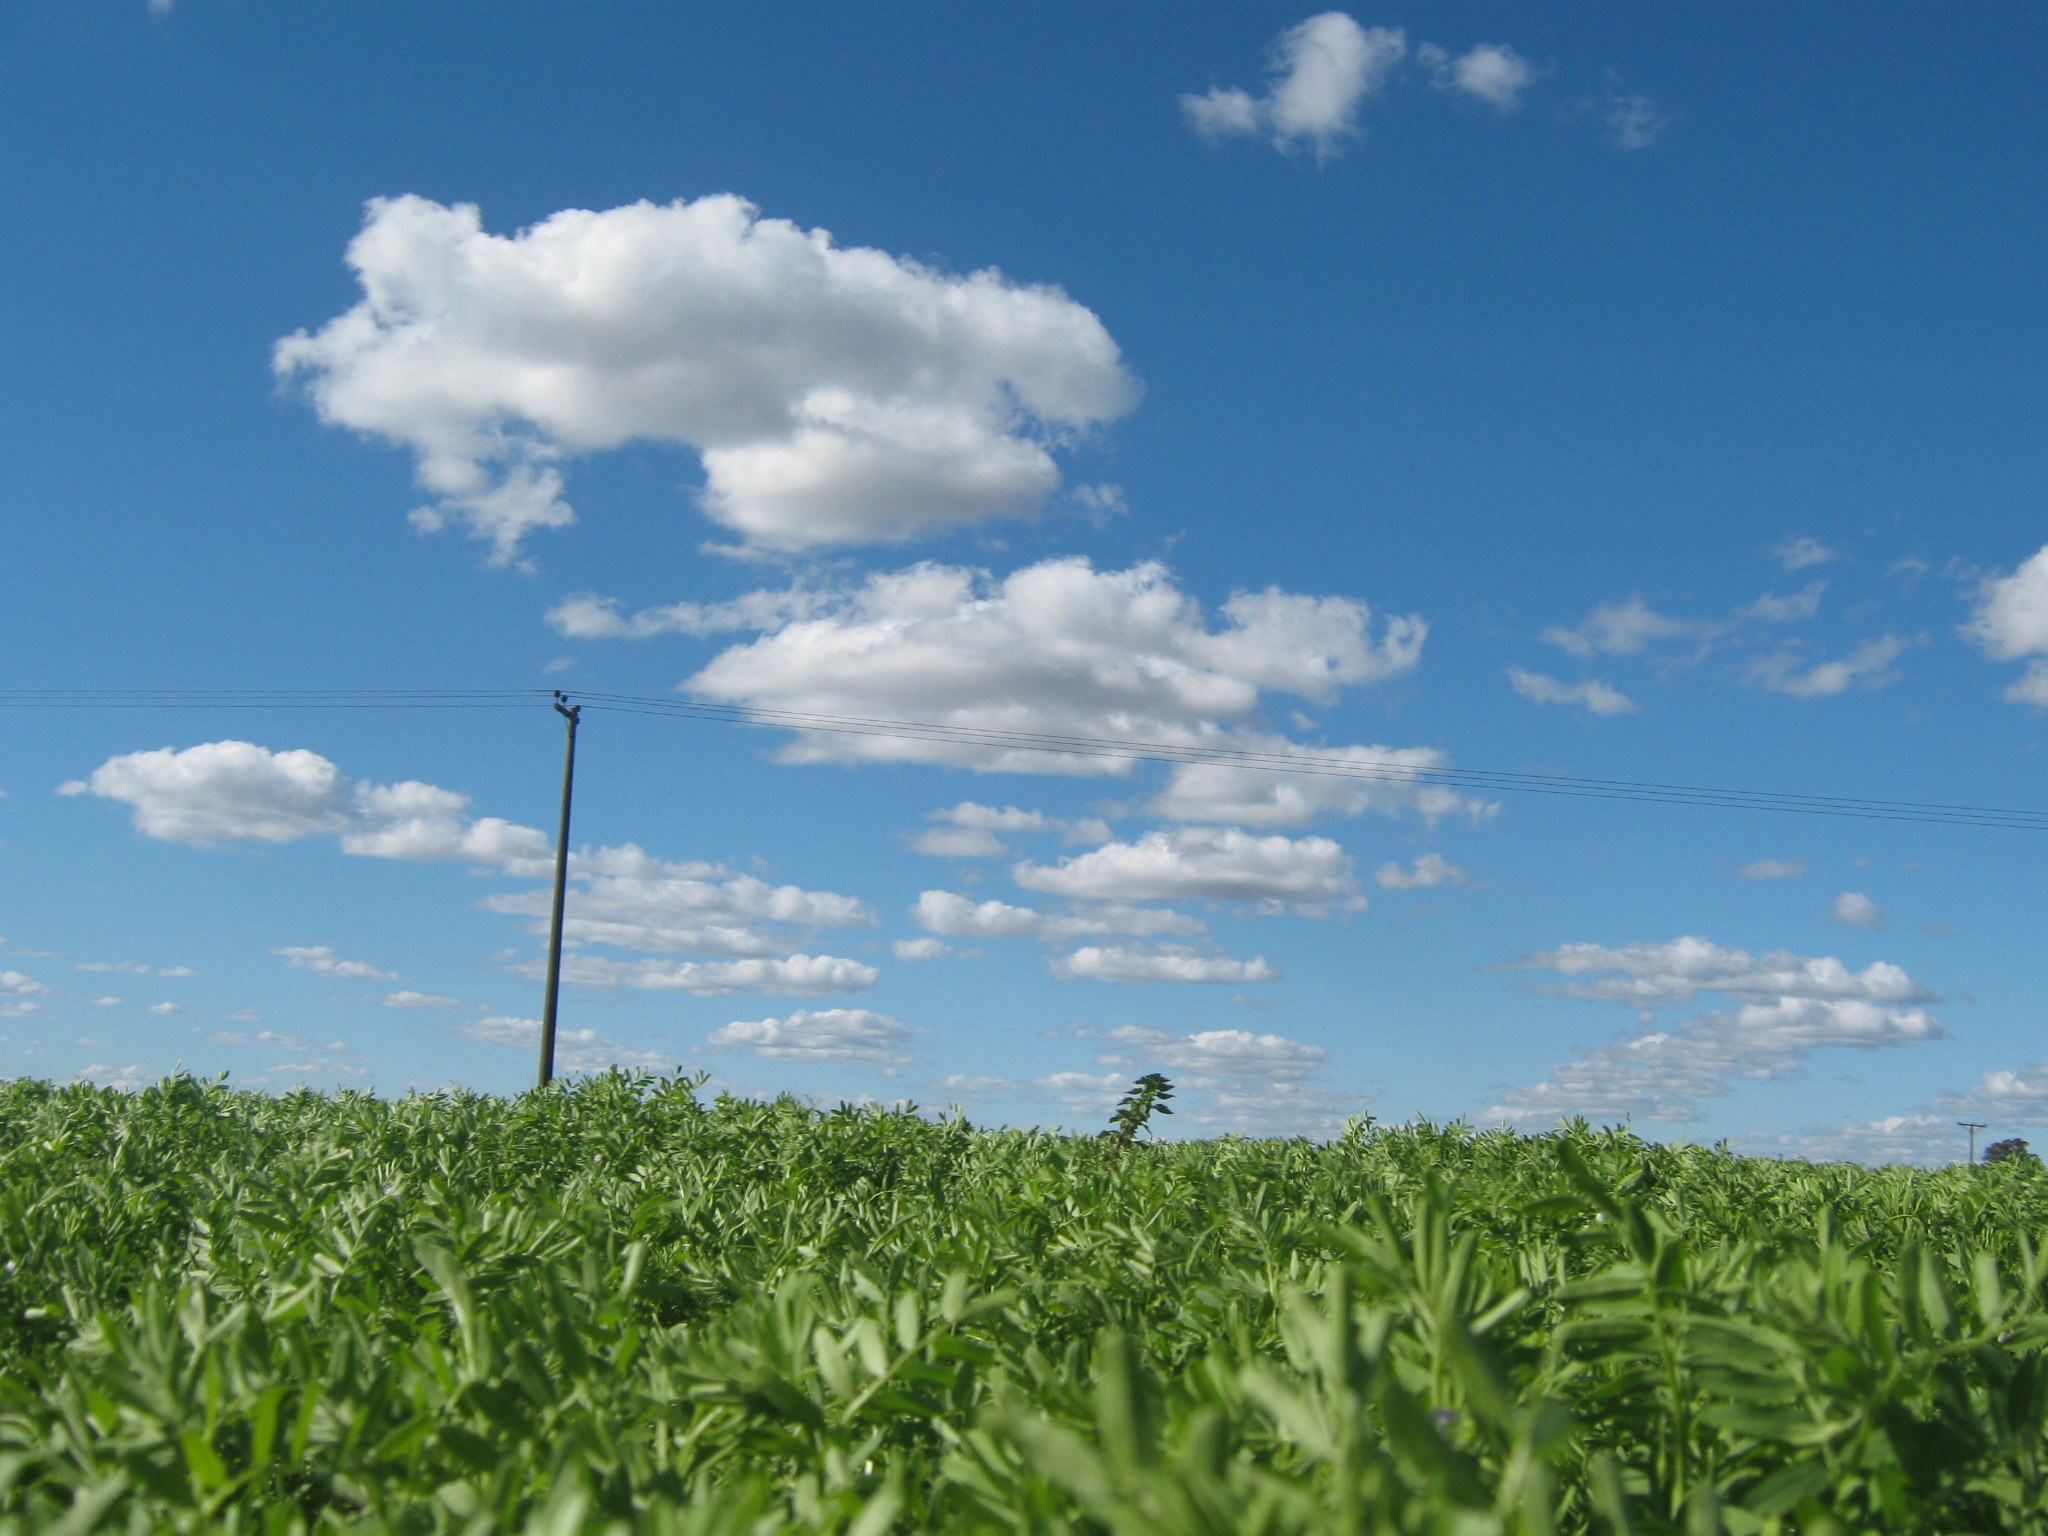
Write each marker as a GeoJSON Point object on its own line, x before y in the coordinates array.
{"type": "Point", "coordinates": [607, 1307]}
{"type": "Point", "coordinates": [1134, 1111]}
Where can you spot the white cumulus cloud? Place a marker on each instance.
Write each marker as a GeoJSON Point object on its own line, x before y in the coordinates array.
{"type": "Point", "coordinates": [1671, 974]}
{"type": "Point", "coordinates": [18, 984]}
{"type": "Point", "coordinates": [588, 616]}
{"type": "Point", "coordinates": [1785, 1007]}
{"type": "Point", "coordinates": [1429, 870]}
{"type": "Point", "coordinates": [576, 1050]}
{"type": "Point", "coordinates": [1158, 962]}
{"type": "Point", "coordinates": [224, 791]}
{"type": "Point", "coordinates": [1919, 1139]}
{"type": "Point", "coordinates": [2002, 1097]}
{"type": "Point", "coordinates": [1211, 1053]}
{"type": "Point", "coordinates": [419, 1000]}
{"type": "Point", "coordinates": [835, 395]}
{"type": "Point", "coordinates": [1857, 910]}
{"type": "Point", "coordinates": [1304, 874]}
{"type": "Point", "coordinates": [321, 960]}
{"type": "Point", "coordinates": [1660, 1073]}
{"type": "Point", "coordinates": [968, 830]}
{"type": "Point", "coordinates": [1492, 72]}
{"type": "Point", "coordinates": [1597, 697]}
{"type": "Point", "coordinates": [1869, 665]}
{"type": "Point", "coordinates": [1294, 783]}
{"type": "Point", "coordinates": [953, 916]}
{"type": "Point", "coordinates": [799, 975]}
{"type": "Point", "coordinates": [1772, 869]}
{"type": "Point", "coordinates": [236, 791]}
{"type": "Point", "coordinates": [2011, 622]}
{"type": "Point", "coordinates": [1321, 72]}
{"type": "Point", "coordinates": [1626, 628]}
{"type": "Point", "coordinates": [1055, 648]}
{"type": "Point", "coordinates": [620, 896]}
{"type": "Point", "coordinates": [1235, 1080]}
{"type": "Point", "coordinates": [827, 1034]}
{"type": "Point", "coordinates": [628, 899]}
{"type": "Point", "coordinates": [958, 843]}
{"type": "Point", "coordinates": [1797, 554]}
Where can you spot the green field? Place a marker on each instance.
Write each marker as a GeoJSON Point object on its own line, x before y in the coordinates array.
{"type": "Point", "coordinates": [610, 1307]}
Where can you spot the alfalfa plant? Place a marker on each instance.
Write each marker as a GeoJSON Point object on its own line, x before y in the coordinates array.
{"type": "Point", "coordinates": [1147, 1097]}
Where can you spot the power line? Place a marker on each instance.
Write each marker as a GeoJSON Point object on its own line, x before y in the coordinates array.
{"type": "Point", "coordinates": [272, 698]}
{"type": "Point", "coordinates": [1307, 764]}
{"type": "Point", "coordinates": [1315, 765]}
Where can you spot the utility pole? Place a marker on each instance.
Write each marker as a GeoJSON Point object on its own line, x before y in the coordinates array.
{"type": "Point", "coordinates": [1973, 1127]}
{"type": "Point", "coordinates": [570, 713]}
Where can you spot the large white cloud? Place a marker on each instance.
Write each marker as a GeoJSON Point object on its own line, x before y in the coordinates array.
{"type": "Point", "coordinates": [953, 916]}
{"type": "Point", "coordinates": [1056, 648]}
{"type": "Point", "coordinates": [826, 1034]}
{"type": "Point", "coordinates": [1659, 1074]}
{"type": "Point", "coordinates": [968, 830]}
{"type": "Point", "coordinates": [1304, 874]}
{"type": "Point", "coordinates": [798, 975]}
{"type": "Point", "coordinates": [2002, 1097]}
{"type": "Point", "coordinates": [621, 896]}
{"type": "Point", "coordinates": [2011, 622]}
{"type": "Point", "coordinates": [628, 899]}
{"type": "Point", "coordinates": [235, 791]}
{"type": "Point", "coordinates": [423, 823]}
{"type": "Point", "coordinates": [1336, 781]}
{"type": "Point", "coordinates": [835, 394]}
{"type": "Point", "coordinates": [1158, 962]}
{"type": "Point", "coordinates": [225, 791]}
{"type": "Point", "coordinates": [1322, 70]}
{"type": "Point", "coordinates": [1670, 975]}
{"type": "Point", "coordinates": [1786, 1007]}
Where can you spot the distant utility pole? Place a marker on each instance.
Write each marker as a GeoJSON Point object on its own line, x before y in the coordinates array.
{"type": "Point", "coordinates": [1972, 1126]}
{"type": "Point", "coordinates": [570, 713]}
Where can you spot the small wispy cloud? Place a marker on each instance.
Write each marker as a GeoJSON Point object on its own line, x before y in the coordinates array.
{"type": "Point", "coordinates": [1322, 71]}
{"type": "Point", "coordinates": [1797, 554]}
{"type": "Point", "coordinates": [1772, 869]}
{"type": "Point", "coordinates": [1595, 696]}
{"type": "Point", "coordinates": [1635, 121]}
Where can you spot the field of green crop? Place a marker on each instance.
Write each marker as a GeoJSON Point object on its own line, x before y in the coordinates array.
{"type": "Point", "coordinates": [609, 1307]}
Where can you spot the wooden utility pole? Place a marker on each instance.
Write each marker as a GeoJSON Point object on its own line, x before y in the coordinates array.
{"type": "Point", "coordinates": [570, 713]}
{"type": "Point", "coordinates": [1973, 1127]}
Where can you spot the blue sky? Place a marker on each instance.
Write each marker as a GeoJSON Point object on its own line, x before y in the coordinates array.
{"type": "Point", "coordinates": [1604, 391]}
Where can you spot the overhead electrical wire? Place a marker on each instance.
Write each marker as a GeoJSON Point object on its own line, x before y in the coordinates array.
{"type": "Point", "coordinates": [1309, 764]}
